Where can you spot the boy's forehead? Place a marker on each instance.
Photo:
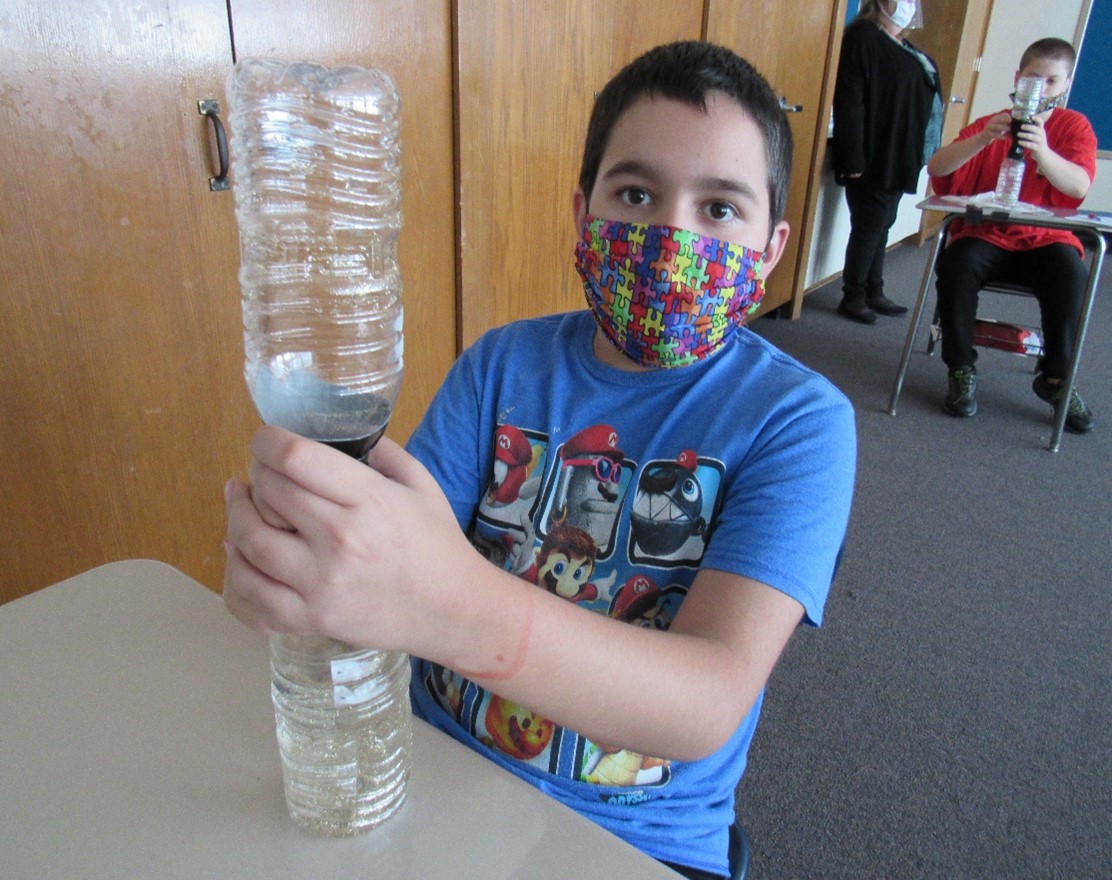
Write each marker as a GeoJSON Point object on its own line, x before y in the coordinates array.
{"type": "Point", "coordinates": [1046, 68]}
{"type": "Point", "coordinates": [679, 120]}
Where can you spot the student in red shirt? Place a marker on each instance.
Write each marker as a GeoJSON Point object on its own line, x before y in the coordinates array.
{"type": "Point", "coordinates": [1060, 164]}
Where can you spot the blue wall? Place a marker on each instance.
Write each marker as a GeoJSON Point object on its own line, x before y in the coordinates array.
{"type": "Point", "coordinates": [1092, 81]}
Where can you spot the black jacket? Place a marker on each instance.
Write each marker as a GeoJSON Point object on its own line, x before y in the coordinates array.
{"type": "Point", "coordinates": [883, 98]}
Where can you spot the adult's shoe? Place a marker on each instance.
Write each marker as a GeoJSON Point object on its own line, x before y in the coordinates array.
{"type": "Point", "coordinates": [961, 402]}
{"type": "Point", "coordinates": [1079, 418]}
{"type": "Point", "coordinates": [857, 311]}
{"type": "Point", "coordinates": [884, 306]}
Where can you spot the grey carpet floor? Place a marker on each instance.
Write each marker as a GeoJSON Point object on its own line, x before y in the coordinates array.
{"type": "Point", "coordinates": [951, 718]}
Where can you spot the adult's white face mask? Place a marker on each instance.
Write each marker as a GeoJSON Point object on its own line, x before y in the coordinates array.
{"type": "Point", "coordinates": [903, 14]}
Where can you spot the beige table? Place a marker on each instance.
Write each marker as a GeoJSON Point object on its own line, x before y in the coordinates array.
{"type": "Point", "coordinates": [137, 740]}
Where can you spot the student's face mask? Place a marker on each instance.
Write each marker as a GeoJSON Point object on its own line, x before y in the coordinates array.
{"type": "Point", "coordinates": [903, 14]}
{"type": "Point", "coordinates": [666, 297]}
{"type": "Point", "coordinates": [1046, 104]}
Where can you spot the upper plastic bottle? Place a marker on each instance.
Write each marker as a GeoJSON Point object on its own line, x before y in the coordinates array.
{"type": "Point", "coordinates": [317, 178]}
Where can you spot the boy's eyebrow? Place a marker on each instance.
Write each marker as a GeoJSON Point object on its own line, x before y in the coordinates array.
{"type": "Point", "coordinates": [727, 184]}
{"type": "Point", "coordinates": [638, 168]}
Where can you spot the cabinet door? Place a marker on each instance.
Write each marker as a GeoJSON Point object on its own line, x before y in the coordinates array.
{"type": "Point", "coordinates": [121, 388]}
{"type": "Point", "coordinates": [790, 43]}
{"type": "Point", "coordinates": [411, 41]}
{"type": "Point", "coordinates": [528, 72]}
{"type": "Point", "coordinates": [953, 35]}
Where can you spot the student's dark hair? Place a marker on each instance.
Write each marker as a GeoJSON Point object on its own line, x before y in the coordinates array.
{"type": "Point", "coordinates": [689, 71]}
{"type": "Point", "coordinates": [1049, 49]}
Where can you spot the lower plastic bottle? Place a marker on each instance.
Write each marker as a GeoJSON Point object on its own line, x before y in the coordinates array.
{"type": "Point", "coordinates": [344, 730]}
{"type": "Point", "coordinates": [1009, 182]}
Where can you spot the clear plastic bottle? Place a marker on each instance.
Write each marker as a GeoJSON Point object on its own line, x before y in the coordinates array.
{"type": "Point", "coordinates": [316, 165]}
{"type": "Point", "coordinates": [317, 171]}
{"type": "Point", "coordinates": [1025, 103]}
{"type": "Point", "coordinates": [1009, 182]}
{"type": "Point", "coordinates": [344, 733]}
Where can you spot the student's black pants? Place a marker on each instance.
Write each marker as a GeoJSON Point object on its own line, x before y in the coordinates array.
{"type": "Point", "coordinates": [1055, 272]}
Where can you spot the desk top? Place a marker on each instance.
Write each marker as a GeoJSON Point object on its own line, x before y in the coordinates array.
{"type": "Point", "coordinates": [137, 738]}
{"type": "Point", "coordinates": [1034, 215]}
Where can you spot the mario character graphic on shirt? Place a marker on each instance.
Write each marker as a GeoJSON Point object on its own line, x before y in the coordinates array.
{"type": "Point", "coordinates": [585, 522]}
{"type": "Point", "coordinates": [564, 563]}
{"type": "Point", "coordinates": [590, 481]}
{"type": "Point", "coordinates": [515, 730]}
{"type": "Point", "coordinates": [672, 510]}
{"type": "Point", "coordinates": [641, 602]}
{"type": "Point", "coordinates": [513, 486]}
{"type": "Point", "coordinates": [614, 766]}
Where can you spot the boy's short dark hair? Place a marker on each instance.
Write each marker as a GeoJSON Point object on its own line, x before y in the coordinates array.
{"type": "Point", "coordinates": [688, 71]}
{"type": "Point", "coordinates": [1049, 49]}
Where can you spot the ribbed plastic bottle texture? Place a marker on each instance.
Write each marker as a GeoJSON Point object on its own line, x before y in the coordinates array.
{"type": "Point", "coordinates": [1009, 182]}
{"type": "Point", "coordinates": [1025, 103]}
{"type": "Point", "coordinates": [316, 166]}
{"type": "Point", "coordinates": [344, 732]}
{"type": "Point", "coordinates": [317, 176]}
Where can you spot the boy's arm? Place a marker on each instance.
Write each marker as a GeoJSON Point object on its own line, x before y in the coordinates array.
{"type": "Point", "coordinates": [375, 556]}
{"type": "Point", "coordinates": [1065, 176]}
{"type": "Point", "coordinates": [950, 158]}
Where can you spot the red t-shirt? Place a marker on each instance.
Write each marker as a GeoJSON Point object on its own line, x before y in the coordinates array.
{"type": "Point", "coordinates": [1068, 134]}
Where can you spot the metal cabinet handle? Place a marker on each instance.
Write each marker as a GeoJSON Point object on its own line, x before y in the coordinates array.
{"type": "Point", "coordinates": [790, 108]}
{"type": "Point", "coordinates": [211, 108]}
{"type": "Point", "coordinates": [955, 99]}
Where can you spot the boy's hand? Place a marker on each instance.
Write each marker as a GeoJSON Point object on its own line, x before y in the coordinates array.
{"type": "Point", "coordinates": [1032, 135]}
{"type": "Point", "coordinates": [321, 543]}
{"type": "Point", "coordinates": [997, 127]}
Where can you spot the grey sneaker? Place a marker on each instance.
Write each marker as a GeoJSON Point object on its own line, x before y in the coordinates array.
{"type": "Point", "coordinates": [1079, 418]}
{"type": "Point", "coordinates": [962, 399]}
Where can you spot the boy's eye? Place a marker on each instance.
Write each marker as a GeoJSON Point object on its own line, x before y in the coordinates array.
{"type": "Point", "coordinates": [633, 195]}
{"type": "Point", "coordinates": [721, 211]}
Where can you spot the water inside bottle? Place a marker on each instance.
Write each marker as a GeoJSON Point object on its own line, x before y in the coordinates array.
{"type": "Point", "coordinates": [344, 735]}
{"type": "Point", "coordinates": [289, 393]}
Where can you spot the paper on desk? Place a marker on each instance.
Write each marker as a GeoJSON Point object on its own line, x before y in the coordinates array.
{"type": "Point", "coordinates": [988, 200]}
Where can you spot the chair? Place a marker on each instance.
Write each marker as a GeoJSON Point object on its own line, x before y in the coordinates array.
{"type": "Point", "coordinates": [990, 333]}
{"type": "Point", "coordinates": [987, 333]}
{"type": "Point", "coordinates": [739, 852]}
{"type": "Point", "coordinates": [1093, 234]}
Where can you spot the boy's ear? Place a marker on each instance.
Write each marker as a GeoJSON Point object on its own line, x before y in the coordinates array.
{"type": "Point", "coordinates": [777, 242]}
{"type": "Point", "coordinates": [579, 208]}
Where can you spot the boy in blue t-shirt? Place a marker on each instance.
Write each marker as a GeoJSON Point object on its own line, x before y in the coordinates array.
{"type": "Point", "coordinates": [648, 461]}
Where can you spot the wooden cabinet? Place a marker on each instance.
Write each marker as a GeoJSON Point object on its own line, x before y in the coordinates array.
{"type": "Point", "coordinates": [122, 406]}
{"type": "Point", "coordinates": [121, 389]}
{"type": "Point", "coordinates": [528, 73]}
{"type": "Point", "coordinates": [954, 36]}
{"type": "Point", "coordinates": [527, 76]}
{"type": "Point", "coordinates": [792, 44]}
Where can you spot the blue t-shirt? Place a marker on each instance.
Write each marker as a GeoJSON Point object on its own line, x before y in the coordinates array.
{"type": "Point", "coordinates": [612, 489]}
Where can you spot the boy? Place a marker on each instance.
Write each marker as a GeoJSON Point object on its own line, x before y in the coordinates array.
{"type": "Point", "coordinates": [1060, 164]}
{"type": "Point", "coordinates": [680, 474]}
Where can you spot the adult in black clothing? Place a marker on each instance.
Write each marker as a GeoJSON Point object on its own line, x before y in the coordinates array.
{"type": "Point", "coordinates": [887, 123]}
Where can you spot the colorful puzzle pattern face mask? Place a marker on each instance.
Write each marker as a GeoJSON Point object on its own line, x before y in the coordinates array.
{"type": "Point", "coordinates": [664, 296]}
